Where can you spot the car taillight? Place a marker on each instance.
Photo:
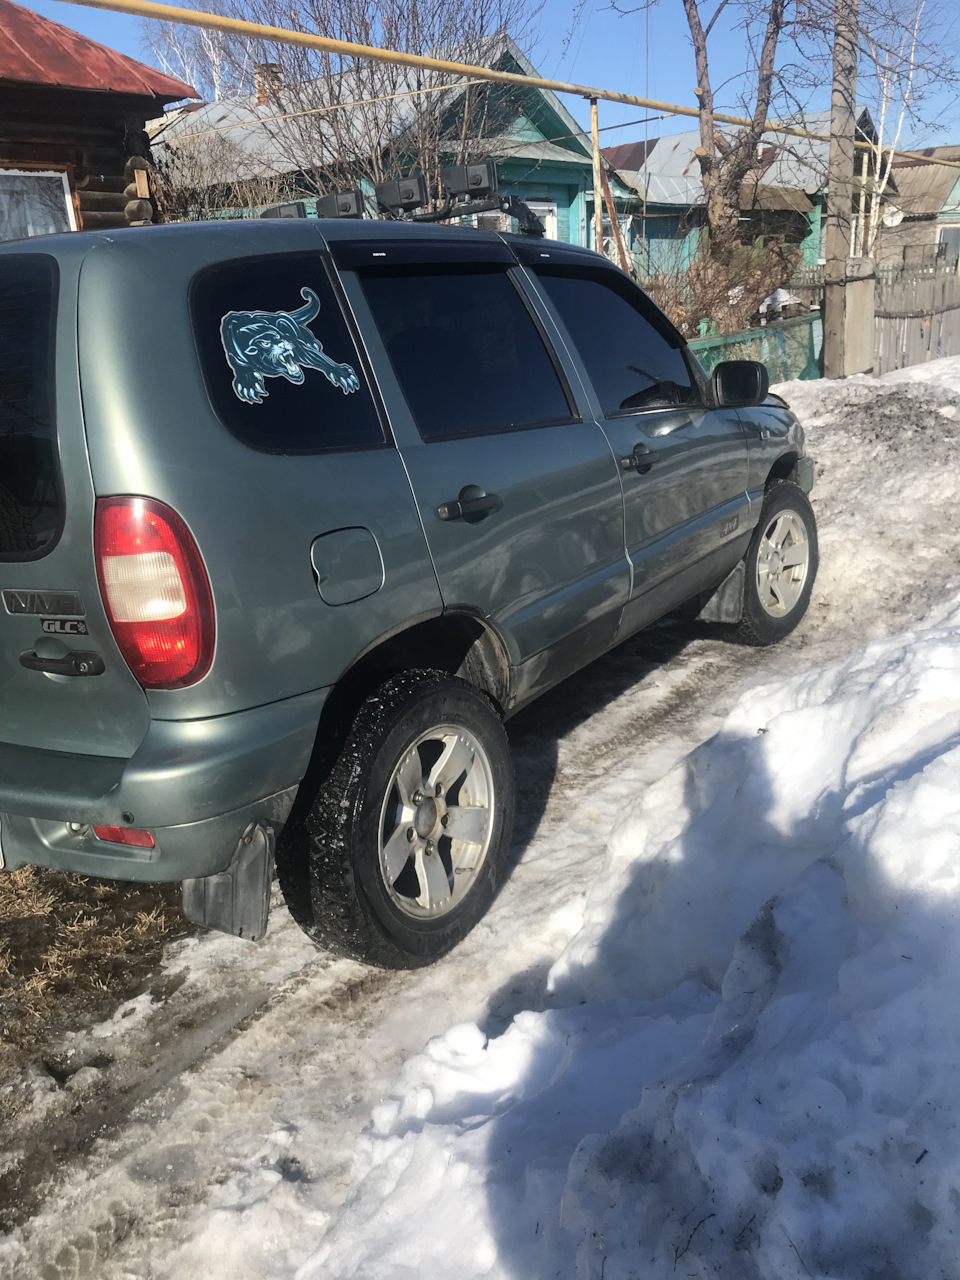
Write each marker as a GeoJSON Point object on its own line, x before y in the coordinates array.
{"type": "Point", "coordinates": [155, 590]}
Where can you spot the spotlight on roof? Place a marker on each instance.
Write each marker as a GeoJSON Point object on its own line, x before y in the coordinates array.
{"type": "Point", "coordinates": [402, 195]}
{"type": "Point", "coordinates": [295, 209]}
{"type": "Point", "coordinates": [469, 181]}
{"type": "Point", "coordinates": [341, 204]}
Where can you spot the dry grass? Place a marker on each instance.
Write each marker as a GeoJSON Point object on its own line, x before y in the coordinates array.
{"type": "Point", "coordinates": [70, 947]}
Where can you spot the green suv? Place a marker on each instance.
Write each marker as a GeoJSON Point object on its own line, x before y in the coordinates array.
{"type": "Point", "coordinates": [294, 514]}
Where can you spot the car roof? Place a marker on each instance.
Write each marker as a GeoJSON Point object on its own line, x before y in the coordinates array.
{"type": "Point", "coordinates": [270, 234]}
{"type": "Point", "coordinates": [265, 229]}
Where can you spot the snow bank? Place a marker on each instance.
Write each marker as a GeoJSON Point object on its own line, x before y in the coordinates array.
{"type": "Point", "coordinates": [887, 477]}
{"type": "Point", "coordinates": [749, 1066]}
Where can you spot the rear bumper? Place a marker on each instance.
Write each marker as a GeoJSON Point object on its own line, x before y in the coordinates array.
{"type": "Point", "coordinates": [195, 784]}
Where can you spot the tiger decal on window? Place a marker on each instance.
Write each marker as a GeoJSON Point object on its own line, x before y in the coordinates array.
{"type": "Point", "coordinates": [278, 344]}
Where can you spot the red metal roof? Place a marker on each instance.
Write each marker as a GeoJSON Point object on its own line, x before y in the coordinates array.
{"type": "Point", "coordinates": [630, 156]}
{"type": "Point", "coordinates": [34, 50]}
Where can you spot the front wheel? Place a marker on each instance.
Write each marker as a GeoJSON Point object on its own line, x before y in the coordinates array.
{"type": "Point", "coordinates": [408, 837]}
{"type": "Point", "coordinates": [781, 564]}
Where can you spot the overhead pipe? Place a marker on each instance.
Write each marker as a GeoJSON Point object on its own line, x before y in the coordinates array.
{"type": "Point", "coordinates": [281, 35]}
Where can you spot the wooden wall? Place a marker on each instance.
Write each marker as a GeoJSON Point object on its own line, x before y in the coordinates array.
{"type": "Point", "coordinates": [97, 138]}
{"type": "Point", "coordinates": [911, 243]}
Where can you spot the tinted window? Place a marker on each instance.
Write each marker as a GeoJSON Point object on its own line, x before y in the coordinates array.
{"type": "Point", "coordinates": [634, 361]}
{"type": "Point", "coordinates": [30, 505]}
{"type": "Point", "coordinates": [279, 363]}
{"type": "Point", "coordinates": [466, 351]}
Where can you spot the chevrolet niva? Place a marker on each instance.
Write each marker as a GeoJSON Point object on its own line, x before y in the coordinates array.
{"type": "Point", "coordinates": [294, 514]}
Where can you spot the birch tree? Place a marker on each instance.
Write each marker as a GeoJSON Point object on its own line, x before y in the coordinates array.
{"type": "Point", "coordinates": [216, 64]}
{"type": "Point", "coordinates": [901, 72]}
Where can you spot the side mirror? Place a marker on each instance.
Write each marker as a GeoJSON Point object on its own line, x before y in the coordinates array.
{"type": "Point", "coordinates": [737, 383]}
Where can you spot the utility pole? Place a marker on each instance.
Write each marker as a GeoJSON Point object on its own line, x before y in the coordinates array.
{"type": "Point", "coordinates": [597, 185]}
{"type": "Point", "coordinates": [848, 321]}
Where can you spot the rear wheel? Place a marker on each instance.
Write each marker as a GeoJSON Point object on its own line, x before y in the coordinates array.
{"type": "Point", "coordinates": [781, 565]}
{"type": "Point", "coordinates": [409, 835]}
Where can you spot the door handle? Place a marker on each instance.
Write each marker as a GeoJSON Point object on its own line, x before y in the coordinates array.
{"type": "Point", "coordinates": [74, 663]}
{"type": "Point", "coordinates": [641, 460]}
{"type": "Point", "coordinates": [470, 508]}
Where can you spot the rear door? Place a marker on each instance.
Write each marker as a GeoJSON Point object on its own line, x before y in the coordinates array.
{"type": "Point", "coordinates": [684, 465]}
{"type": "Point", "coordinates": [519, 493]}
{"type": "Point", "coordinates": [51, 606]}
{"type": "Point", "coordinates": [255, 422]}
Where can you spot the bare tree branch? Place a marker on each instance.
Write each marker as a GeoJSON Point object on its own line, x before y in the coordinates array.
{"type": "Point", "coordinates": [720, 9]}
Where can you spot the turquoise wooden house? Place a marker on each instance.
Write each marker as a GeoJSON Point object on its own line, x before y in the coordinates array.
{"type": "Point", "coordinates": [542, 154]}
{"type": "Point", "coordinates": [784, 196]}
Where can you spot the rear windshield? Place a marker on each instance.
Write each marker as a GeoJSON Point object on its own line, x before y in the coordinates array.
{"type": "Point", "coordinates": [30, 502]}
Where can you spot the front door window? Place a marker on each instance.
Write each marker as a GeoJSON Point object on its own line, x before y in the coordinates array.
{"type": "Point", "coordinates": [684, 465]}
{"type": "Point", "coordinates": [34, 204]}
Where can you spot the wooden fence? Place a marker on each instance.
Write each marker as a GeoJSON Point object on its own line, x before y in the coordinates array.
{"type": "Point", "coordinates": [917, 315]}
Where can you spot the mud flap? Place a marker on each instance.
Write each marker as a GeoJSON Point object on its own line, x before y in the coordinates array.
{"type": "Point", "coordinates": [726, 603]}
{"type": "Point", "coordinates": [236, 900]}
{"type": "Point", "coordinates": [803, 473]}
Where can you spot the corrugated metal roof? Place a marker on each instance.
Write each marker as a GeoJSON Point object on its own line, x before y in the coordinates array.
{"type": "Point", "coordinates": [252, 149]}
{"type": "Point", "coordinates": [34, 50]}
{"type": "Point", "coordinates": [254, 140]}
{"type": "Point", "coordinates": [925, 188]}
{"type": "Point", "coordinates": [669, 173]}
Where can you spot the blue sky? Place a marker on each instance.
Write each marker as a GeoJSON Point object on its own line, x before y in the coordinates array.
{"type": "Point", "coordinates": [653, 60]}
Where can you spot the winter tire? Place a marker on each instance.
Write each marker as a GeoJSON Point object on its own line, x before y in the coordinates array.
{"type": "Point", "coordinates": [781, 564]}
{"type": "Point", "coordinates": [409, 835]}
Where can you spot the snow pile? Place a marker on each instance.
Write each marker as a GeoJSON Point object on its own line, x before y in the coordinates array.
{"type": "Point", "coordinates": [887, 485]}
{"type": "Point", "coordinates": [749, 1063]}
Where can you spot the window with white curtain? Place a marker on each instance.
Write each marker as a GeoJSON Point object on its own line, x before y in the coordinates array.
{"type": "Point", "coordinates": [34, 203]}
{"type": "Point", "coordinates": [546, 211]}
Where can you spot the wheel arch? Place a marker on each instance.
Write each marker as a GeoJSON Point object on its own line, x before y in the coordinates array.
{"type": "Point", "coordinates": [782, 469]}
{"type": "Point", "coordinates": [459, 643]}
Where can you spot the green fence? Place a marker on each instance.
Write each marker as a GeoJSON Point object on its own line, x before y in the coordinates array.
{"type": "Point", "coordinates": [789, 348]}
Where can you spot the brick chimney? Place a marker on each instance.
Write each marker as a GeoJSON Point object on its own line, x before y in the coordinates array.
{"type": "Point", "coordinates": [268, 80]}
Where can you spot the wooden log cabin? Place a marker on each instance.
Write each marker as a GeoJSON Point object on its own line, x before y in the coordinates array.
{"type": "Point", "coordinates": [73, 151]}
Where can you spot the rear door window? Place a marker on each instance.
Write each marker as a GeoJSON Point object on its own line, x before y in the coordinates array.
{"type": "Point", "coordinates": [280, 365]}
{"type": "Point", "coordinates": [468, 354]}
{"type": "Point", "coordinates": [634, 359]}
{"type": "Point", "coordinates": [31, 507]}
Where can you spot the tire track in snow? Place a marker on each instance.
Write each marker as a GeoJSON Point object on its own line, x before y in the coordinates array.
{"type": "Point", "coordinates": [148, 1142]}
{"type": "Point", "coordinates": [274, 1098]}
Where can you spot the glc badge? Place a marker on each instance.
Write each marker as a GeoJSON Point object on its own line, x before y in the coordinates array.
{"type": "Point", "coordinates": [64, 626]}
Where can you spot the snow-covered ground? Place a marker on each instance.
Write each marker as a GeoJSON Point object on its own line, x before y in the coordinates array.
{"type": "Point", "coordinates": [749, 1056]}
{"type": "Point", "coordinates": [709, 1028]}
